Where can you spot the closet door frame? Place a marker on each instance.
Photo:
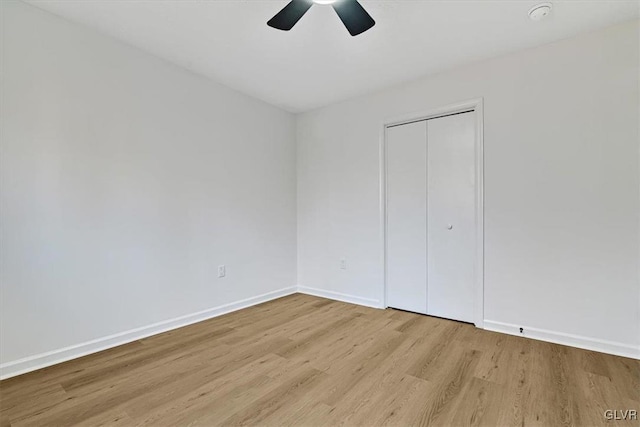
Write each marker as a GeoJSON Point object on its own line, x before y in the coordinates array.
{"type": "Point", "coordinates": [475, 106]}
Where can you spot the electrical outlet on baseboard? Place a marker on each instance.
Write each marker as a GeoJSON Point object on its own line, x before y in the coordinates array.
{"type": "Point", "coordinates": [222, 271]}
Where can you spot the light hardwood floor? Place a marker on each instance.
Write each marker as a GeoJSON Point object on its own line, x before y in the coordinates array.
{"type": "Point", "coordinates": [307, 361]}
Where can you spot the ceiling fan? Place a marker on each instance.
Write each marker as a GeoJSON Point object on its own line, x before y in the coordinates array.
{"type": "Point", "coordinates": [351, 13]}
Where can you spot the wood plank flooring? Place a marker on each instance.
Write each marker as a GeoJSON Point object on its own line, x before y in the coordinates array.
{"type": "Point", "coordinates": [308, 361]}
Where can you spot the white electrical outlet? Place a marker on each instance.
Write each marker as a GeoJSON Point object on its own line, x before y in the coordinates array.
{"type": "Point", "coordinates": [222, 271]}
{"type": "Point", "coordinates": [343, 263]}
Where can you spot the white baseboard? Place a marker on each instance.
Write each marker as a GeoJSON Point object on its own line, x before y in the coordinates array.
{"type": "Point", "coordinates": [610, 347]}
{"type": "Point", "coordinates": [340, 297]}
{"type": "Point", "coordinates": [32, 363]}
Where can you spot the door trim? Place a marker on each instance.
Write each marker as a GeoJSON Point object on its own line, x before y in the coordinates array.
{"type": "Point", "coordinates": [476, 106]}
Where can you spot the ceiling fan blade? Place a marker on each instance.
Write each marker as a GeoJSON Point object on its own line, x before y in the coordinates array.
{"type": "Point", "coordinates": [353, 16]}
{"type": "Point", "coordinates": [290, 14]}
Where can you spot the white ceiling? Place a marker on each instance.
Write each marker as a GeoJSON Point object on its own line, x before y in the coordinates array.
{"type": "Point", "coordinates": [318, 62]}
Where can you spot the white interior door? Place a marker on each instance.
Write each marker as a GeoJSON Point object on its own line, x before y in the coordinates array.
{"type": "Point", "coordinates": [451, 231]}
{"type": "Point", "coordinates": [407, 217]}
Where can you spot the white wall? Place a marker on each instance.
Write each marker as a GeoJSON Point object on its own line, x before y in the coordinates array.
{"type": "Point", "coordinates": [561, 188]}
{"type": "Point", "coordinates": [125, 182]}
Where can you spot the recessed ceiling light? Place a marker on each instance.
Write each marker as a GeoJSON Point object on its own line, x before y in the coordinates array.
{"type": "Point", "coordinates": [540, 11]}
{"type": "Point", "coordinates": [324, 1]}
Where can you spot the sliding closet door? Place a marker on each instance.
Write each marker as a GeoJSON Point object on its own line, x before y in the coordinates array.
{"type": "Point", "coordinates": [407, 217]}
{"type": "Point", "coordinates": [451, 248]}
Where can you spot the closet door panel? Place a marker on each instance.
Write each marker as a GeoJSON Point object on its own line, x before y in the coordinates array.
{"type": "Point", "coordinates": [407, 217]}
{"type": "Point", "coordinates": [451, 216]}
